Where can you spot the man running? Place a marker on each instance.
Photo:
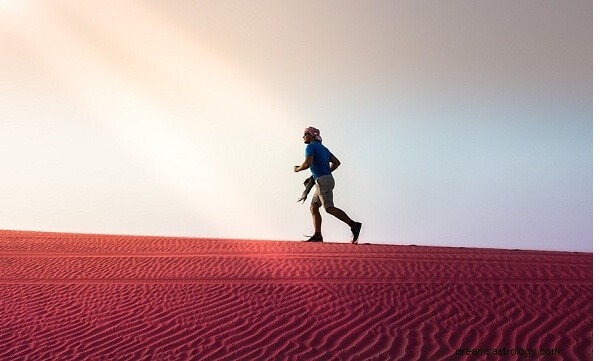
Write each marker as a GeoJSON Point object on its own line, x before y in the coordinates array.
{"type": "Point", "coordinates": [318, 159]}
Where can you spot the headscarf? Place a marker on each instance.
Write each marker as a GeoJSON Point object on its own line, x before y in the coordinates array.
{"type": "Point", "coordinates": [314, 132]}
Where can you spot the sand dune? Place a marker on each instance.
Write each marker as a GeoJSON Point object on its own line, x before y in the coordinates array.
{"type": "Point", "coordinates": [102, 297]}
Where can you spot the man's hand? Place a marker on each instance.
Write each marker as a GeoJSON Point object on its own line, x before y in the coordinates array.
{"type": "Point", "coordinates": [305, 165]}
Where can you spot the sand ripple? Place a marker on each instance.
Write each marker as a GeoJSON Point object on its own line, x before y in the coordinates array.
{"type": "Point", "coordinates": [98, 297]}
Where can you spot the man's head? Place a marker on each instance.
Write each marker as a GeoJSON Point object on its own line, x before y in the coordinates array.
{"type": "Point", "coordinates": [311, 134]}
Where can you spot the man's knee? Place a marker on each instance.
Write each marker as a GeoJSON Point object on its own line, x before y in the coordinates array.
{"type": "Point", "coordinates": [330, 209]}
{"type": "Point", "coordinates": [314, 208]}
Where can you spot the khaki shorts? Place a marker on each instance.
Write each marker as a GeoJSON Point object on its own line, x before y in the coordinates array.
{"type": "Point", "coordinates": [324, 191]}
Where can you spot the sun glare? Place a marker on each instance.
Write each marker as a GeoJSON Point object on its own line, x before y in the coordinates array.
{"type": "Point", "coordinates": [13, 7]}
{"type": "Point", "coordinates": [145, 92]}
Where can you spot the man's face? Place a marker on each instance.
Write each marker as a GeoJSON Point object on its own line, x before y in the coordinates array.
{"type": "Point", "coordinates": [307, 138]}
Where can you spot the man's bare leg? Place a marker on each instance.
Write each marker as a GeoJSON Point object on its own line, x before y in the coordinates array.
{"type": "Point", "coordinates": [316, 216]}
{"type": "Point", "coordinates": [341, 215]}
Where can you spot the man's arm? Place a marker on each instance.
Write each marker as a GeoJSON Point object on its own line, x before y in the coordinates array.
{"type": "Point", "coordinates": [307, 162]}
{"type": "Point", "coordinates": [334, 162]}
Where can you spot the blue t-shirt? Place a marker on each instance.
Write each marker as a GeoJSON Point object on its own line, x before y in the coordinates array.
{"type": "Point", "coordinates": [320, 165]}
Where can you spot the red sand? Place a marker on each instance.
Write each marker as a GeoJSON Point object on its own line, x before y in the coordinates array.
{"type": "Point", "coordinates": [100, 297]}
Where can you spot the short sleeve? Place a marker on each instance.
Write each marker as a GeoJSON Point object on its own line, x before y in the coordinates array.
{"type": "Point", "coordinates": [310, 150]}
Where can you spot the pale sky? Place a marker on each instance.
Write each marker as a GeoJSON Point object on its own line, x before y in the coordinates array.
{"type": "Point", "coordinates": [458, 123]}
